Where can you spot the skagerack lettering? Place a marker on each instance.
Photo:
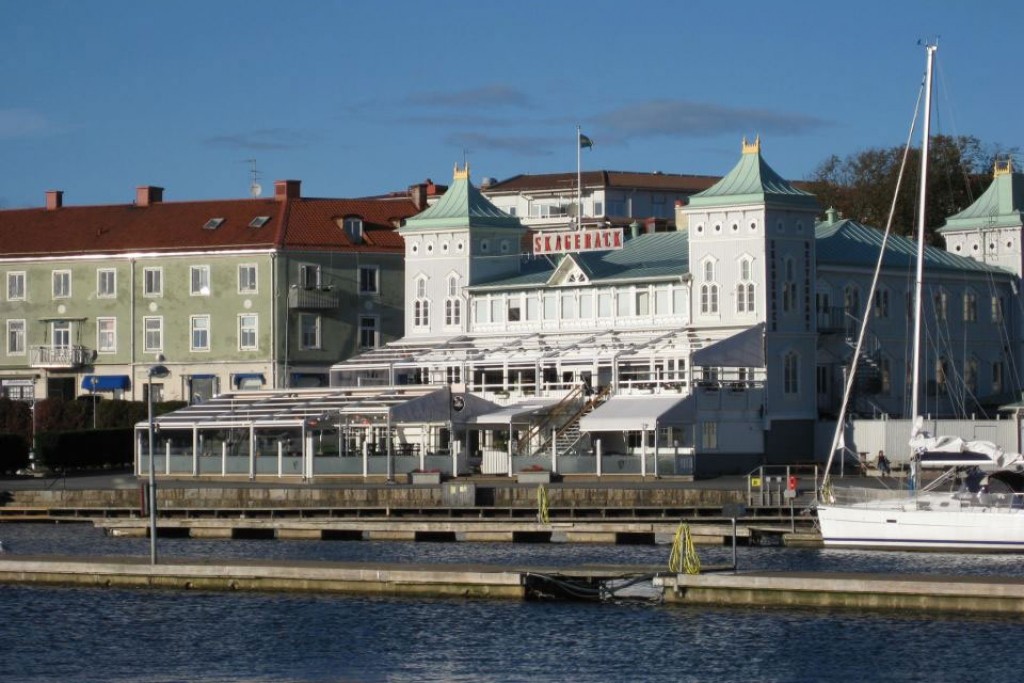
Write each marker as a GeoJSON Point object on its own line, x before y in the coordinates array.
{"type": "Point", "coordinates": [585, 240]}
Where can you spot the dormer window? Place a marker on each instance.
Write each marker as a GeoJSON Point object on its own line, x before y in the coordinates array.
{"type": "Point", "coordinates": [354, 229]}
{"type": "Point", "coordinates": [213, 224]}
{"type": "Point", "coordinates": [259, 221]}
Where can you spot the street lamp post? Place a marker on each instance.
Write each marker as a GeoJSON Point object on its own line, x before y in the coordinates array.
{"type": "Point", "coordinates": [158, 371]}
{"type": "Point", "coordinates": [92, 381]}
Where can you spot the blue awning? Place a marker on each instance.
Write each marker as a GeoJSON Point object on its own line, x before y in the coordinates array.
{"type": "Point", "coordinates": [192, 377]}
{"type": "Point", "coordinates": [244, 376]}
{"type": "Point", "coordinates": [106, 382]}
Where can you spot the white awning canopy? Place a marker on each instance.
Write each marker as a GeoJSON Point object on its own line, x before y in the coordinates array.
{"type": "Point", "coordinates": [634, 413]}
{"type": "Point", "coordinates": [520, 413]}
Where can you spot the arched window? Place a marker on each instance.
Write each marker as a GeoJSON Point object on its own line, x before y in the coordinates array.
{"type": "Point", "coordinates": [421, 306]}
{"type": "Point", "coordinates": [941, 305]}
{"type": "Point", "coordinates": [941, 375]}
{"type": "Point", "coordinates": [745, 288]}
{"type": "Point", "coordinates": [452, 303]}
{"type": "Point", "coordinates": [709, 289]}
{"type": "Point", "coordinates": [791, 374]}
{"type": "Point", "coordinates": [970, 307]}
{"type": "Point", "coordinates": [789, 287]}
{"type": "Point", "coordinates": [971, 376]}
{"type": "Point", "coordinates": [881, 303]}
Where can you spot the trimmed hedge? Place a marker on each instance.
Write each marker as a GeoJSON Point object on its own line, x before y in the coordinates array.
{"type": "Point", "coordinates": [13, 453]}
{"type": "Point", "coordinates": [85, 449]}
{"type": "Point", "coordinates": [64, 438]}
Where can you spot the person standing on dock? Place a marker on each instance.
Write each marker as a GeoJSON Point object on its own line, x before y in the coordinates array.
{"type": "Point", "coordinates": [883, 464]}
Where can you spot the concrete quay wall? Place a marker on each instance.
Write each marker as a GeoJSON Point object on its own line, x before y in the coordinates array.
{"type": "Point", "coordinates": [962, 594]}
{"type": "Point", "coordinates": [455, 581]}
{"type": "Point", "coordinates": [180, 497]}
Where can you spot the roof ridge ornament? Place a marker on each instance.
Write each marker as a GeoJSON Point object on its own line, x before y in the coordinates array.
{"type": "Point", "coordinates": [463, 174]}
{"type": "Point", "coordinates": [752, 147]}
{"type": "Point", "coordinates": [1003, 167]}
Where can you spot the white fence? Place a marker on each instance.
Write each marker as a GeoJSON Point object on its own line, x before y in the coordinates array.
{"type": "Point", "coordinates": [867, 437]}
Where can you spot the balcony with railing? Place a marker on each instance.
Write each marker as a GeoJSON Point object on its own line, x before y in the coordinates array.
{"type": "Point", "coordinates": [312, 298]}
{"type": "Point", "coordinates": [59, 357]}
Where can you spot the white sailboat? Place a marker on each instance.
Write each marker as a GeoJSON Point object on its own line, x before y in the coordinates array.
{"type": "Point", "coordinates": [973, 505]}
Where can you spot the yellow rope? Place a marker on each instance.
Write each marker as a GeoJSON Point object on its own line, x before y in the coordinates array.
{"type": "Point", "coordinates": [683, 558]}
{"type": "Point", "coordinates": [542, 505]}
{"type": "Point", "coordinates": [826, 492]}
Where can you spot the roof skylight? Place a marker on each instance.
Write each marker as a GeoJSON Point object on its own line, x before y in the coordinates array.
{"type": "Point", "coordinates": [213, 224]}
{"type": "Point", "coordinates": [259, 221]}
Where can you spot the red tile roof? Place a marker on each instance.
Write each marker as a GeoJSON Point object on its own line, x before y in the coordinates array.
{"type": "Point", "coordinates": [178, 226]}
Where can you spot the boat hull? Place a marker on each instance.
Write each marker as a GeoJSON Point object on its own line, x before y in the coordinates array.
{"type": "Point", "coordinates": [912, 527]}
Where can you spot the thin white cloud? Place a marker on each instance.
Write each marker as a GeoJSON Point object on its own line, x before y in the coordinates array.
{"type": "Point", "coordinates": [21, 123]}
{"type": "Point", "coordinates": [495, 95]}
{"type": "Point", "coordinates": [263, 139]}
{"type": "Point", "coordinates": [680, 118]}
{"type": "Point", "coordinates": [521, 145]}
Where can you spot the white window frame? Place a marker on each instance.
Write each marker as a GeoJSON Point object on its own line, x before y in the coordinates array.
{"type": "Point", "coordinates": [153, 281]}
{"type": "Point", "coordinates": [61, 281]}
{"type": "Point", "coordinates": [373, 273]}
{"type": "Point", "coordinates": [61, 334]}
{"type": "Point", "coordinates": [245, 331]}
{"type": "Point", "coordinates": [101, 276]}
{"type": "Point", "coordinates": [309, 275]}
{"type": "Point", "coordinates": [109, 346]}
{"type": "Point", "coordinates": [709, 287]}
{"type": "Point", "coordinates": [317, 332]}
{"type": "Point", "coordinates": [199, 324]}
{"type": "Point", "coordinates": [153, 325]}
{"type": "Point", "coordinates": [970, 312]}
{"type": "Point", "coordinates": [13, 326]}
{"type": "Point", "coordinates": [195, 287]}
{"type": "Point", "coordinates": [709, 435]}
{"type": "Point", "coordinates": [421, 305]}
{"type": "Point", "coordinates": [353, 226]}
{"type": "Point", "coordinates": [249, 283]}
{"type": "Point", "coordinates": [372, 329]}
{"type": "Point", "coordinates": [16, 276]}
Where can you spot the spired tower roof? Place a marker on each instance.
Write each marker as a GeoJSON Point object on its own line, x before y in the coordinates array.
{"type": "Point", "coordinates": [1000, 206]}
{"type": "Point", "coordinates": [462, 206]}
{"type": "Point", "coordinates": [752, 181]}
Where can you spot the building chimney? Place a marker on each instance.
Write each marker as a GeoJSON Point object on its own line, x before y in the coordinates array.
{"type": "Point", "coordinates": [54, 199]}
{"type": "Point", "coordinates": [148, 194]}
{"type": "Point", "coordinates": [418, 195]}
{"type": "Point", "coordinates": [287, 189]}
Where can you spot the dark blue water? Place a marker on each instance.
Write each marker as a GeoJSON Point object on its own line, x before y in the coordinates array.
{"type": "Point", "coordinates": [78, 634]}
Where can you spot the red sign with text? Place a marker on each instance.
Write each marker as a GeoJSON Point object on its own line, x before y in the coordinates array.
{"type": "Point", "coordinates": [603, 239]}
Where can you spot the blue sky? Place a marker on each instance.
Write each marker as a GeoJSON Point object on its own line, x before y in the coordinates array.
{"type": "Point", "coordinates": [362, 97]}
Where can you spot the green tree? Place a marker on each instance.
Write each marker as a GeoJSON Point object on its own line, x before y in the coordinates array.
{"type": "Point", "coordinates": [861, 186]}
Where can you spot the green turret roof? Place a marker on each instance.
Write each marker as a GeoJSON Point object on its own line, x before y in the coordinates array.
{"type": "Point", "coordinates": [462, 206]}
{"type": "Point", "coordinates": [841, 242]}
{"type": "Point", "coordinates": [1000, 206]}
{"type": "Point", "coordinates": [752, 180]}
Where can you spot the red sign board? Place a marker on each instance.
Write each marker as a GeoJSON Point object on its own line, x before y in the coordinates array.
{"type": "Point", "coordinates": [603, 239]}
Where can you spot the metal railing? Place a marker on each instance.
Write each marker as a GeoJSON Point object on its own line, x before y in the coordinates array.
{"type": "Point", "coordinates": [59, 356]}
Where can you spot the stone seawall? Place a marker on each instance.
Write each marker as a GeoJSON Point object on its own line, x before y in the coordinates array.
{"type": "Point", "coordinates": [258, 497]}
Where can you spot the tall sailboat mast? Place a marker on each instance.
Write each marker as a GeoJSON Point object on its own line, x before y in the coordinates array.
{"type": "Point", "coordinates": [915, 410]}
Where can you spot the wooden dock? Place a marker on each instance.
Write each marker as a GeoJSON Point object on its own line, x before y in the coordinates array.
{"type": "Point", "coordinates": [616, 532]}
{"type": "Point", "coordinates": [929, 593]}
{"type": "Point", "coordinates": [420, 580]}
{"type": "Point", "coordinates": [961, 594]}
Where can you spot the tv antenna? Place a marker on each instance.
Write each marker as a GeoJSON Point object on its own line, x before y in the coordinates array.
{"type": "Point", "coordinates": [255, 189]}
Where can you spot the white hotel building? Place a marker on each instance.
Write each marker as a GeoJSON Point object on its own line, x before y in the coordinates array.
{"type": "Point", "coordinates": [709, 349]}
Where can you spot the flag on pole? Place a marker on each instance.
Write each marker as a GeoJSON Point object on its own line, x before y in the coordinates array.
{"type": "Point", "coordinates": [585, 141]}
